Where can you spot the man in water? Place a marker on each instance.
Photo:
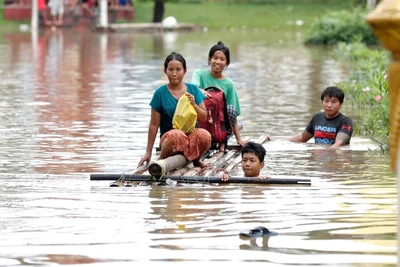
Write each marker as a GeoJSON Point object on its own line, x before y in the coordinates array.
{"type": "Point", "coordinates": [328, 126]}
{"type": "Point", "coordinates": [253, 155]}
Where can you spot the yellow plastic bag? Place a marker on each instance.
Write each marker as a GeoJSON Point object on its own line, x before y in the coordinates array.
{"type": "Point", "coordinates": [185, 116]}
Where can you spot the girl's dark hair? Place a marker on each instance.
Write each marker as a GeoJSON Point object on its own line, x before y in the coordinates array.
{"type": "Point", "coordinates": [333, 91]}
{"type": "Point", "coordinates": [175, 56]}
{"type": "Point", "coordinates": [256, 149]}
{"type": "Point", "coordinates": [220, 47]}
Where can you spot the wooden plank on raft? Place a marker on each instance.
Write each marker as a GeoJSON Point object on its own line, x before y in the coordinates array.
{"type": "Point", "coordinates": [190, 170]}
{"type": "Point", "coordinates": [218, 164]}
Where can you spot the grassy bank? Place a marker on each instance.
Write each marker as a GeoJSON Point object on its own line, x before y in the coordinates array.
{"type": "Point", "coordinates": [274, 15]}
{"type": "Point", "coordinates": [9, 24]}
{"type": "Point", "coordinates": [278, 16]}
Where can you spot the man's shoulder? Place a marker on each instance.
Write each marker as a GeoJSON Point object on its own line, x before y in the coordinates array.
{"type": "Point", "coordinates": [319, 114]}
{"type": "Point", "coordinates": [346, 118]}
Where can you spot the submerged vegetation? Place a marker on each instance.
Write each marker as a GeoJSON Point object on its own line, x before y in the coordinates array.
{"type": "Point", "coordinates": [367, 88]}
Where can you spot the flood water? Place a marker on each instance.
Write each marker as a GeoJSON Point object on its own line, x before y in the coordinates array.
{"type": "Point", "coordinates": [74, 102]}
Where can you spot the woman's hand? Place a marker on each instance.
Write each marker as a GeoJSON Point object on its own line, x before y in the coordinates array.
{"type": "Point", "coordinates": [191, 99]}
{"type": "Point", "coordinates": [146, 158]}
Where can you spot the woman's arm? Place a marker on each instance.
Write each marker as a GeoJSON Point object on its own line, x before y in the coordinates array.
{"type": "Point", "coordinates": [200, 108]}
{"type": "Point", "coordinates": [155, 121]}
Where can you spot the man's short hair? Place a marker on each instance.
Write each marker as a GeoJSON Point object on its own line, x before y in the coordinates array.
{"type": "Point", "coordinates": [333, 91]}
{"type": "Point", "coordinates": [256, 149]}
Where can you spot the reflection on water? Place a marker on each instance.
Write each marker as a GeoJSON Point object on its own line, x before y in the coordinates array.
{"type": "Point", "coordinates": [75, 102]}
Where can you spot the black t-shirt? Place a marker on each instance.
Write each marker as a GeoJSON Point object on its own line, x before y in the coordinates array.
{"type": "Point", "coordinates": [325, 130]}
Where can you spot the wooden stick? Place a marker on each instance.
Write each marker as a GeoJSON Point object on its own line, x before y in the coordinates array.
{"type": "Point", "coordinates": [201, 179]}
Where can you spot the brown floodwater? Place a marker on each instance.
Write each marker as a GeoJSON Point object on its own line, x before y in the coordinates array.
{"type": "Point", "coordinates": [74, 102]}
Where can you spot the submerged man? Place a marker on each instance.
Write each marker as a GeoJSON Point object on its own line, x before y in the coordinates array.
{"type": "Point", "coordinates": [253, 155]}
{"type": "Point", "coordinates": [328, 126]}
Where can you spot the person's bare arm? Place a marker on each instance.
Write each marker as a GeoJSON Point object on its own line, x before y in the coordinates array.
{"type": "Point", "coordinates": [201, 111]}
{"type": "Point", "coordinates": [205, 93]}
{"type": "Point", "coordinates": [155, 121]}
{"type": "Point", "coordinates": [301, 138]}
{"type": "Point", "coordinates": [341, 139]}
{"type": "Point", "coordinates": [236, 132]}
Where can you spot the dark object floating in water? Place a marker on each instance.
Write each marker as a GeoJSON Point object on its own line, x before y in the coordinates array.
{"type": "Point", "coordinates": [260, 231]}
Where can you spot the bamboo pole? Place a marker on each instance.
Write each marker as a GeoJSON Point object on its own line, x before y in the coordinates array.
{"type": "Point", "coordinates": [385, 21]}
{"type": "Point", "coordinates": [184, 169]}
{"type": "Point", "coordinates": [202, 179]}
{"type": "Point", "coordinates": [179, 171]}
{"type": "Point", "coordinates": [121, 179]}
{"type": "Point", "coordinates": [163, 166]}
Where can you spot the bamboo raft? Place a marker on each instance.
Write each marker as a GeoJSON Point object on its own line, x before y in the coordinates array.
{"type": "Point", "coordinates": [177, 169]}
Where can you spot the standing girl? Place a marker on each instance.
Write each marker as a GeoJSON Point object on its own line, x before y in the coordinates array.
{"type": "Point", "coordinates": [163, 105]}
{"type": "Point", "coordinates": [219, 59]}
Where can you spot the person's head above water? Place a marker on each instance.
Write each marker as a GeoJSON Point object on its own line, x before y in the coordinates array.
{"type": "Point", "coordinates": [333, 92]}
{"type": "Point", "coordinates": [253, 155]}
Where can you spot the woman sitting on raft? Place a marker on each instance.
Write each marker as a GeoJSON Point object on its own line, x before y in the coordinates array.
{"type": "Point", "coordinates": [163, 105]}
